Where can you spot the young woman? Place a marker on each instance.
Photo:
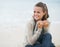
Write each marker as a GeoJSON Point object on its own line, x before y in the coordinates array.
{"type": "Point", "coordinates": [37, 28]}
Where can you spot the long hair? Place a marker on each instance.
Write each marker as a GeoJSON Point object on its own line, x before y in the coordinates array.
{"type": "Point", "coordinates": [44, 7]}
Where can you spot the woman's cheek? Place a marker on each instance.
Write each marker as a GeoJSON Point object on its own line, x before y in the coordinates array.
{"type": "Point", "coordinates": [39, 17]}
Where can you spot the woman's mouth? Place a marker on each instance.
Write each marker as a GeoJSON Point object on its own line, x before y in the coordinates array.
{"type": "Point", "coordinates": [36, 17]}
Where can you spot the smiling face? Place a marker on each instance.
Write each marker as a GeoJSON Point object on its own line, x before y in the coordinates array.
{"type": "Point", "coordinates": [38, 13]}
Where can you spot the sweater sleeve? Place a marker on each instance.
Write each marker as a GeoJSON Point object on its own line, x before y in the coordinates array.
{"type": "Point", "coordinates": [47, 28]}
{"type": "Point", "coordinates": [31, 38]}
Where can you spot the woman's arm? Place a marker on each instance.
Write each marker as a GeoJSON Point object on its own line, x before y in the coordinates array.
{"type": "Point", "coordinates": [31, 38]}
{"type": "Point", "coordinates": [46, 25]}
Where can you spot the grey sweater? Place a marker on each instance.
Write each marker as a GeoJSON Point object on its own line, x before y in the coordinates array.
{"type": "Point", "coordinates": [30, 37]}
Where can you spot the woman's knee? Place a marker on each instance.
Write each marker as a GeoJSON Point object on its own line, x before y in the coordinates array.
{"type": "Point", "coordinates": [48, 36]}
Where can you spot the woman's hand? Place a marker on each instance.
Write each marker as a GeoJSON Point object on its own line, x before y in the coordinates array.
{"type": "Point", "coordinates": [40, 24]}
{"type": "Point", "coordinates": [45, 23]}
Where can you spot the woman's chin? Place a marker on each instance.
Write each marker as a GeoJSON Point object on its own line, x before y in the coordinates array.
{"type": "Point", "coordinates": [36, 19]}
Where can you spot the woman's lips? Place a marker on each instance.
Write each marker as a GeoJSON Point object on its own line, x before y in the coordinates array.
{"type": "Point", "coordinates": [36, 17]}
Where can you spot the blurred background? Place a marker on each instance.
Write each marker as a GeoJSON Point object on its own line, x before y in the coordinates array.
{"type": "Point", "coordinates": [14, 15]}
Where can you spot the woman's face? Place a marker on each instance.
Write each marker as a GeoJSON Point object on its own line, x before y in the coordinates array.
{"type": "Point", "coordinates": [38, 13]}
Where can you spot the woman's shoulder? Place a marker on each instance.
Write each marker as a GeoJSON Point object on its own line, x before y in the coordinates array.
{"type": "Point", "coordinates": [31, 21]}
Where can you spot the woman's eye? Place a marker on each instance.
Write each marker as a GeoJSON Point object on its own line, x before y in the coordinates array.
{"type": "Point", "coordinates": [38, 12]}
{"type": "Point", "coordinates": [34, 11]}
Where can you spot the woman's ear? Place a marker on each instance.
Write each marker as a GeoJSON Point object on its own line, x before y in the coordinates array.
{"type": "Point", "coordinates": [45, 14]}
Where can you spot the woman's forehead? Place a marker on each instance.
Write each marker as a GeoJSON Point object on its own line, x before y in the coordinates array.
{"type": "Point", "coordinates": [38, 8]}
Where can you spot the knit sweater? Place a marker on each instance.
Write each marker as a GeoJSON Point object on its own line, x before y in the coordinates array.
{"type": "Point", "coordinates": [32, 36]}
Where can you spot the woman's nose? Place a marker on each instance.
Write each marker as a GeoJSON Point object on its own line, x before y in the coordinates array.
{"type": "Point", "coordinates": [35, 14]}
